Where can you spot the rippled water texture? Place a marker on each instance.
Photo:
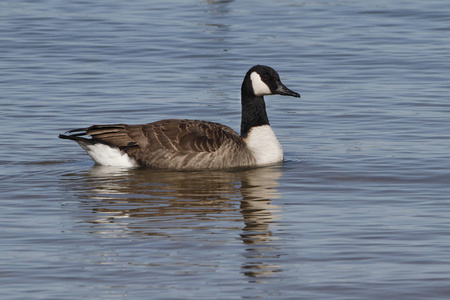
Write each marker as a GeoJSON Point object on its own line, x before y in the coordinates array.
{"type": "Point", "coordinates": [359, 210]}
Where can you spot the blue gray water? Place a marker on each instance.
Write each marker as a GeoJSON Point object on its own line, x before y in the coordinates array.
{"type": "Point", "coordinates": [359, 210]}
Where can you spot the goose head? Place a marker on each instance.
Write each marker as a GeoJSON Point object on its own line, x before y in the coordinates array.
{"type": "Point", "coordinates": [263, 80]}
{"type": "Point", "coordinates": [258, 82]}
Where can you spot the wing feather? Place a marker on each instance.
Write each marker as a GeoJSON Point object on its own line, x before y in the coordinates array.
{"type": "Point", "coordinates": [175, 143]}
{"type": "Point", "coordinates": [187, 136]}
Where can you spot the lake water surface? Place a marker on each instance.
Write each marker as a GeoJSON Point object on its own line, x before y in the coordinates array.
{"type": "Point", "coordinates": [360, 209]}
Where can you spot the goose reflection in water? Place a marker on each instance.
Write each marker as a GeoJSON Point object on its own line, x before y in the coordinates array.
{"type": "Point", "coordinates": [178, 204]}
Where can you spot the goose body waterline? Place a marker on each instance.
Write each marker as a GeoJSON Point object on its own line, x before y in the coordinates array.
{"type": "Point", "coordinates": [193, 144]}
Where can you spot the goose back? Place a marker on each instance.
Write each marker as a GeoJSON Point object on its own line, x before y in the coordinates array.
{"type": "Point", "coordinates": [175, 144]}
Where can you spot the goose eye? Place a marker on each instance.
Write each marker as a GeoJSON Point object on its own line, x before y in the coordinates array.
{"type": "Point", "coordinates": [265, 77]}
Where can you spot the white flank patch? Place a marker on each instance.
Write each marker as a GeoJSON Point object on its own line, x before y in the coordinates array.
{"type": "Point", "coordinates": [261, 140]}
{"type": "Point", "coordinates": [108, 156]}
{"type": "Point", "coordinates": [259, 87]}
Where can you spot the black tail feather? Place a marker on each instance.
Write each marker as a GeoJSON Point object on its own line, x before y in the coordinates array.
{"type": "Point", "coordinates": [74, 134]}
{"type": "Point", "coordinates": [74, 137]}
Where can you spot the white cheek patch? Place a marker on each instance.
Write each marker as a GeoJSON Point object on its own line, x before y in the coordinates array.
{"type": "Point", "coordinates": [259, 87]}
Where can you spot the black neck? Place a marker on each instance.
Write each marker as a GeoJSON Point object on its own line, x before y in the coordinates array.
{"type": "Point", "coordinates": [253, 111]}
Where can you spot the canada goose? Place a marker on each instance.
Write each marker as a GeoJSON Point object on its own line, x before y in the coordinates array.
{"type": "Point", "coordinates": [193, 144]}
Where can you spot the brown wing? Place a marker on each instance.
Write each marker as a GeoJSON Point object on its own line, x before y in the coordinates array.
{"type": "Point", "coordinates": [180, 142]}
{"type": "Point", "coordinates": [173, 134]}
